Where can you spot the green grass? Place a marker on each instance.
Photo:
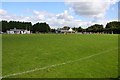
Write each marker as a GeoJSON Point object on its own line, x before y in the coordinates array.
{"type": "Point", "coordinates": [0, 55]}
{"type": "Point", "coordinates": [26, 52]}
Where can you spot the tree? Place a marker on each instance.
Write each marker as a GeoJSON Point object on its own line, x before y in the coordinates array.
{"type": "Point", "coordinates": [20, 25]}
{"type": "Point", "coordinates": [79, 29]}
{"type": "Point", "coordinates": [53, 30]}
{"type": "Point", "coordinates": [113, 27]}
{"type": "Point", "coordinates": [95, 28]}
{"type": "Point", "coordinates": [4, 26]}
{"type": "Point", "coordinates": [66, 27]}
{"type": "Point", "coordinates": [0, 26]}
{"type": "Point", "coordinates": [41, 27]}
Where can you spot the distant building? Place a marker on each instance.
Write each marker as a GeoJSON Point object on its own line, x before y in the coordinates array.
{"type": "Point", "coordinates": [1, 32]}
{"type": "Point", "coordinates": [62, 30]}
{"type": "Point", "coordinates": [18, 31]}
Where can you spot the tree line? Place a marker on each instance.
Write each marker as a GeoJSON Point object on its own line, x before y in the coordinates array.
{"type": "Point", "coordinates": [36, 28]}
{"type": "Point", "coordinates": [111, 27]}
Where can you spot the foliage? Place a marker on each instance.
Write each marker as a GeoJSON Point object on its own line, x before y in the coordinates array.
{"type": "Point", "coordinates": [16, 24]}
{"type": "Point", "coordinates": [111, 27]}
{"type": "Point", "coordinates": [95, 28]}
{"type": "Point", "coordinates": [66, 28]}
{"type": "Point", "coordinates": [41, 27]}
{"type": "Point", "coordinates": [79, 29]}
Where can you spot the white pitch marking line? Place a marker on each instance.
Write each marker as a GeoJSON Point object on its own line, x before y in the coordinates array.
{"type": "Point", "coordinates": [37, 69]}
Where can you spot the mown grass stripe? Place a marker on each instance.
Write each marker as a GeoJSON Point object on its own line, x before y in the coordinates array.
{"type": "Point", "coordinates": [55, 65]}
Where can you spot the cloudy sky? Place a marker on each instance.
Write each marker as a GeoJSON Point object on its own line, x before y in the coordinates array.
{"type": "Point", "coordinates": [73, 13]}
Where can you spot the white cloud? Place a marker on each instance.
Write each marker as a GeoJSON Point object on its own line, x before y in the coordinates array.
{"type": "Point", "coordinates": [111, 1]}
{"type": "Point", "coordinates": [54, 20]}
{"type": "Point", "coordinates": [65, 15]}
{"type": "Point", "coordinates": [15, 18]}
{"type": "Point", "coordinates": [3, 12]}
{"type": "Point", "coordinates": [42, 14]}
{"type": "Point", "coordinates": [91, 8]}
{"type": "Point", "coordinates": [57, 20]}
{"type": "Point", "coordinates": [95, 9]}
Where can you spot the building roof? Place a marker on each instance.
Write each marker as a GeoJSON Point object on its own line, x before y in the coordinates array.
{"type": "Point", "coordinates": [70, 29]}
{"type": "Point", "coordinates": [17, 29]}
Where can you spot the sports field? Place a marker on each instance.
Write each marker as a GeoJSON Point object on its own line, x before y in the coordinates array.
{"type": "Point", "coordinates": [60, 56]}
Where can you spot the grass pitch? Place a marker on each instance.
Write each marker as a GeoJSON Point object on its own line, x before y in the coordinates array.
{"type": "Point", "coordinates": [23, 53]}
